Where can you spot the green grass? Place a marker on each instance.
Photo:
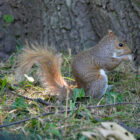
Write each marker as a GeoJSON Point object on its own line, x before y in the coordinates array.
{"type": "Point", "coordinates": [65, 125]}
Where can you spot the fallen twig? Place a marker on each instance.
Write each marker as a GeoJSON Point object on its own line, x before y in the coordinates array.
{"type": "Point", "coordinates": [115, 104]}
{"type": "Point", "coordinates": [28, 119]}
{"type": "Point", "coordinates": [39, 100]}
{"type": "Point", "coordinates": [49, 113]}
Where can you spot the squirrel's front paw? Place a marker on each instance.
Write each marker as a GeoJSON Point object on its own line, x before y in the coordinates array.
{"type": "Point", "coordinates": [127, 57]}
{"type": "Point", "coordinates": [130, 57]}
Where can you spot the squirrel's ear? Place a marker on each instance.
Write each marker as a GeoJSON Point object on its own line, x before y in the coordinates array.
{"type": "Point", "coordinates": [110, 34]}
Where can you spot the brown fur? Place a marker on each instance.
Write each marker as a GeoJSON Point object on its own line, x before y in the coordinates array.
{"type": "Point", "coordinates": [48, 62]}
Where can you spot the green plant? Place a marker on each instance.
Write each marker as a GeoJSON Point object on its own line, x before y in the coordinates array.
{"type": "Point", "coordinates": [51, 130]}
{"type": "Point", "coordinates": [3, 85]}
{"type": "Point", "coordinates": [19, 104]}
{"type": "Point", "coordinates": [8, 18]}
{"type": "Point", "coordinates": [77, 93]}
{"type": "Point", "coordinates": [113, 97]}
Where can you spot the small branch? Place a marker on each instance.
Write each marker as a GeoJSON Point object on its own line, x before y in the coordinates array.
{"type": "Point", "coordinates": [67, 102]}
{"type": "Point", "coordinates": [50, 113]}
{"type": "Point", "coordinates": [116, 104]}
{"type": "Point", "coordinates": [28, 119]}
{"type": "Point", "coordinates": [38, 100]}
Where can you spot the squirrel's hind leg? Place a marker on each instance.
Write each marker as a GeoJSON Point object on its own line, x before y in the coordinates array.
{"type": "Point", "coordinates": [98, 86]}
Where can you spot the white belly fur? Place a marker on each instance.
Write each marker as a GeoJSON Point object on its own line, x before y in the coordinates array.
{"type": "Point", "coordinates": [102, 72]}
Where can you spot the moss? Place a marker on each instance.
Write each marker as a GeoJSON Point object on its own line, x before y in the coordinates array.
{"type": "Point", "coordinates": [137, 3]}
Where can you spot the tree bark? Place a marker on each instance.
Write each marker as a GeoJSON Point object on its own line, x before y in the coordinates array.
{"type": "Point", "coordinates": [63, 24]}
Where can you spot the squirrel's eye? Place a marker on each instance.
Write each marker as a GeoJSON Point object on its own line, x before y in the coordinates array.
{"type": "Point", "coordinates": [120, 44]}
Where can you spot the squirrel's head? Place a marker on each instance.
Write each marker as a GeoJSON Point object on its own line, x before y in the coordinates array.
{"type": "Point", "coordinates": [120, 47]}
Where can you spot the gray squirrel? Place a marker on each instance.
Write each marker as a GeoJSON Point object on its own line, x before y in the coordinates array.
{"type": "Point", "coordinates": [88, 67]}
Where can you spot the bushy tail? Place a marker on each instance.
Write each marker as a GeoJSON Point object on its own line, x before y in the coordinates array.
{"type": "Point", "coordinates": [49, 65]}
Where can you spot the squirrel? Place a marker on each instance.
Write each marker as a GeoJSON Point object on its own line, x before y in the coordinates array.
{"type": "Point", "coordinates": [88, 67]}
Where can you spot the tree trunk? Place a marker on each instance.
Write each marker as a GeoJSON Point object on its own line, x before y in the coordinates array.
{"type": "Point", "coordinates": [63, 24]}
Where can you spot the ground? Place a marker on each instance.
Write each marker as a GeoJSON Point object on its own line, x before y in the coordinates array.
{"type": "Point", "coordinates": [70, 118]}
